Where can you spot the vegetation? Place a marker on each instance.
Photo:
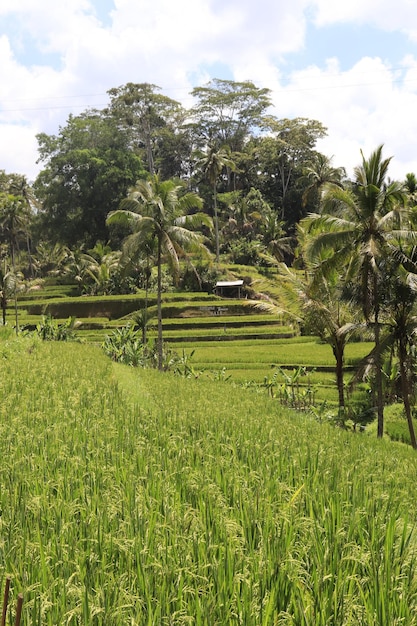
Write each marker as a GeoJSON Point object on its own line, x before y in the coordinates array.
{"type": "Point", "coordinates": [131, 497]}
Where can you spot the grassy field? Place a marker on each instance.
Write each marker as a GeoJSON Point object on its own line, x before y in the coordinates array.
{"type": "Point", "coordinates": [134, 497]}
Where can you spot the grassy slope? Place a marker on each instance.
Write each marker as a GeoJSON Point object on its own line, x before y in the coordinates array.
{"type": "Point", "coordinates": [130, 496]}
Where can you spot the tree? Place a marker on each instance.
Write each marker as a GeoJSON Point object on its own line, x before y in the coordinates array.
{"type": "Point", "coordinates": [50, 260]}
{"type": "Point", "coordinates": [154, 126]}
{"type": "Point", "coordinates": [13, 221]}
{"type": "Point", "coordinates": [88, 169]}
{"type": "Point", "coordinates": [282, 158]}
{"type": "Point", "coordinates": [100, 271]}
{"type": "Point", "coordinates": [362, 225]}
{"type": "Point", "coordinates": [7, 288]}
{"type": "Point", "coordinates": [410, 184]}
{"type": "Point", "coordinates": [227, 112]}
{"type": "Point", "coordinates": [319, 173]}
{"type": "Point", "coordinates": [165, 217]}
{"type": "Point", "coordinates": [212, 164]}
{"type": "Point", "coordinates": [401, 331]}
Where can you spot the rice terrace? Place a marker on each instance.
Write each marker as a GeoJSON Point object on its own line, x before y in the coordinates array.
{"type": "Point", "coordinates": [208, 372]}
{"type": "Point", "coordinates": [195, 496]}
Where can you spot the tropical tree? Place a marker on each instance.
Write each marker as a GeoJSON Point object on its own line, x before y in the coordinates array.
{"type": "Point", "coordinates": [362, 224]}
{"type": "Point", "coordinates": [11, 282]}
{"type": "Point", "coordinates": [101, 271]}
{"type": "Point", "coordinates": [165, 218]}
{"type": "Point", "coordinates": [7, 288]}
{"type": "Point", "coordinates": [227, 112]}
{"type": "Point", "coordinates": [88, 166]}
{"type": "Point", "coordinates": [282, 157]}
{"type": "Point", "coordinates": [319, 173]}
{"type": "Point", "coordinates": [278, 243]}
{"type": "Point", "coordinates": [212, 165]}
{"type": "Point", "coordinates": [401, 332]}
{"type": "Point", "coordinates": [154, 125]}
{"type": "Point", "coordinates": [50, 260]}
{"type": "Point", "coordinates": [13, 222]}
{"type": "Point", "coordinates": [410, 184]}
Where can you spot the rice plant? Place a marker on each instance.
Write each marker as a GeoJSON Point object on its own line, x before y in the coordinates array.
{"type": "Point", "coordinates": [130, 496]}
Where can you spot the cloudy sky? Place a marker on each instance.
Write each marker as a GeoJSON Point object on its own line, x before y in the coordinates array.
{"type": "Point", "coordinates": [350, 65]}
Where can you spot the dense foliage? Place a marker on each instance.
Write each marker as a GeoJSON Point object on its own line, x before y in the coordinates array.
{"type": "Point", "coordinates": [147, 194]}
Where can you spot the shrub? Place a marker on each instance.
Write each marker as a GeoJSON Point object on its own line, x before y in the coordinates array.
{"type": "Point", "coordinates": [125, 345]}
{"type": "Point", "coordinates": [49, 329]}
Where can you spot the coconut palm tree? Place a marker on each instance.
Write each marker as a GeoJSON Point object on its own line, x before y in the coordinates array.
{"type": "Point", "coordinates": [363, 224]}
{"type": "Point", "coordinates": [10, 283]}
{"type": "Point", "coordinates": [319, 173]}
{"type": "Point", "coordinates": [402, 325]}
{"type": "Point", "coordinates": [212, 164]}
{"type": "Point", "coordinates": [13, 221]}
{"type": "Point", "coordinates": [398, 338]}
{"type": "Point", "coordinates": [165, 218]}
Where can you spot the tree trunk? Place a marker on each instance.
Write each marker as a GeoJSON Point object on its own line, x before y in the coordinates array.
{"type": "Point", "coordinates": [159, 302]}
{"type": "Point", "coordinates": [338, 351]}
{"type": "Point", "coordinates": [216, 223]}
{"type": "Point", "coordinates": [405, 388]}
{"type": "Point", "coordinates": [3, 309]}
{"type": "Point", "coordinates": [145, 325]}
{"type": "Point", "coordinates": [378, 364]}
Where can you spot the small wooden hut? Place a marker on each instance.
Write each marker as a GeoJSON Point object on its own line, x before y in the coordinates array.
{"type": "Point", "coordinates": [229, 288]}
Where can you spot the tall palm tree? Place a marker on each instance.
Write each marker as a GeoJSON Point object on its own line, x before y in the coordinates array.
{"type": "Point", "coordinates": [139, 254]}
{"type": "Point", "coordinates": [13, 219]}
{"type": "Point", "coordinates": [212, 164]}
{"type": "Point", "coordinates": [164, 218]}
{"type": "Point", "coordinates": [319, 173]}
{"type": "Point", "coordinates": [402, 332]}
{"type": "Point", "coordinates": [361, 225]}
{"type": "Point", "coordinates": [10, 282]}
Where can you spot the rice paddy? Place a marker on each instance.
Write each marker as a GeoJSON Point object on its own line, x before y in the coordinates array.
{"type": "Point", "coordinates": [131, 497]}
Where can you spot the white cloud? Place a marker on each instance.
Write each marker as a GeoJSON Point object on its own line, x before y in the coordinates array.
{"type": "Point", "coordinates": [77, 58]}
{"type": "Point", "coordinates": [384, 14]}
{"type": "Point", "coordinates": [362, 108]}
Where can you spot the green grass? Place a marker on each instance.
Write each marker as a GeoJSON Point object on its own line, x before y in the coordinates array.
{"type": "Point", "coordinates": [135, 497]}
{"type": "Point", "coordinates": [302, 351]}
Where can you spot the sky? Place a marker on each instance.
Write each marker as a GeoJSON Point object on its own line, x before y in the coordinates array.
{"type": "Point", "coordinates": [350, 65]}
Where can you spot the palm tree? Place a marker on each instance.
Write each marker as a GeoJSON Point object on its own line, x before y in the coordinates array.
{"type": "Point", "coordinates": [10, 282]}
{"type": "Point", "coordinates": [7, 287]}
{"type": "Point", "coordinates": [212, 165]}
{"type": "Point", "coordinates": [410, 184]}
{"type": "Point", "coordinates": [22, 190]}
{"type": "Point", "coordinates": [278, 243]}
{"type": "Point", "coordinates": [362, 225]}
{"type": "Point", "coordinates": [164, 218]}
{"type": "Point", "coordinates": [50, 260]}
{"type": "Point", "coordinates": [319, 173]}
{"type": "Point", "coordinates": [13, 220]}
{"type": "Point", "coordinates": [101, 271]}
{"type": "Point", "coordinates": [402, 323]}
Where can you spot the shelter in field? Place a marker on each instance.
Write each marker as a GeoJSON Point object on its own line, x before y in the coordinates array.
{"type": "Point", "coordinates": [229, 288]}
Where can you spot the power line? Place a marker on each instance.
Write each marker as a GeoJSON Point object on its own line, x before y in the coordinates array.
{"type": "Point", "coordinates": [282, 90]}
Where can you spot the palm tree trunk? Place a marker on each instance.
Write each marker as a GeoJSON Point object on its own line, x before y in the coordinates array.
{"type": "Point", "coordinates": [378, 364]}
{"type": "Point", "coordinates": [405, 388]}
{"type": "Point", "coordinates": [338, 352]}
{"type": "Point", "coordinates": [216, 223]}
{"type": "Point", "coordinates": [145, 325]}
{"type": "Point", "coordinates": [159, 302]}
{"type": "Point", "coordinates": [3, 308]}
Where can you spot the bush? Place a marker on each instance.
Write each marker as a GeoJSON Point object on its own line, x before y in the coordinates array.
{"type": "Point", "coordinates": [202, 277]}
{"type": "Point", "coordinates": [125, 345]}
{"type": "Point", "coordinates": [49, 329]}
